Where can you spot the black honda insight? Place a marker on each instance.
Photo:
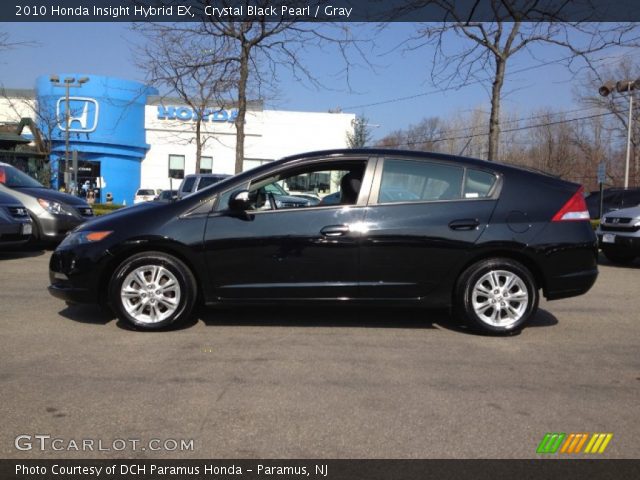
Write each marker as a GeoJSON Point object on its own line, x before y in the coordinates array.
{"type": "Point", "coordinates": [392, 227]}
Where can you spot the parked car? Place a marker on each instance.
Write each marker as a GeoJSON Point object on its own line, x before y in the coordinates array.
{"type": "Point", "coordinates": [145, 195]}
{"type": "Point", "coordinates": [619, 235]}
{"type": "Point", "coordinates": [53, 213]}
{"type": "Point", "coordinates": [166, 196]}
{"type": "Point", "coordinates": [15, 224]}
{"type": "Point", "coordinates": [481, 237]}
{"type": "Point", "coordinates": [613, 199]}
{"type": "Point", "coordinates": [197, 181]}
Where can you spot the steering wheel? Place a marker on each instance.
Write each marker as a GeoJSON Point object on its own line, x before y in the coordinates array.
{"type": "Point", "coordinates": [272, 201]}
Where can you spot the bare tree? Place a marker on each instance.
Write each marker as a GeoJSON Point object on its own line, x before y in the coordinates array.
{"type": "Point", "coordinates": [488, 47]}
{"type": "Point", "coordinates": [361, 134]}
{"type": "Point", "coordinates": [255, 47]}
{"type": "Point", "coordinates": [174, 62]}
{"type": "Point", "coordinates": [617, 105]}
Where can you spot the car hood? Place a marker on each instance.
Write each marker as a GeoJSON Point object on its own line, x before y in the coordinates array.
{"type": "Point", "coordinates": [6, 199]}
{"type": "Point", "coordinates": [630, 212]}
{"type": "Point", "coordinates": [121, 215]}
{"type": "Point", "coordinates": [52, 195]}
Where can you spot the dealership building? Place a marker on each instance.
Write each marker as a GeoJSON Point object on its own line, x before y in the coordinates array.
{"type": "Point", "coordinates": [127, 137]}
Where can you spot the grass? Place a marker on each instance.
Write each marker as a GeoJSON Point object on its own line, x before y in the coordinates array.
{"type": "Point", "coordinates": [105, 208]}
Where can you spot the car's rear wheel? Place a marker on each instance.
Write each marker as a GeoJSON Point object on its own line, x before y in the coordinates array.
{"type": "Point", "coordinates": [616, 256]}
{"type": "Point", "coordinates": [152, 290]}
{"type": "Point", "coordinates": [496, 296]}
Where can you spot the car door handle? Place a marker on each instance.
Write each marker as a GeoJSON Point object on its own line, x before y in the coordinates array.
{"type": "Point", "coordinates": [464, 224]}
{"type": "Point", "coordinates": [335, 230]}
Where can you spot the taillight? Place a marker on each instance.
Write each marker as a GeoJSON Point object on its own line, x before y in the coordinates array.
{"type": "Point", "coordinates": [574, 209]}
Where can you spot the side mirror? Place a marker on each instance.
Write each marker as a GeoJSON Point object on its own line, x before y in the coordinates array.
{"type": "Point", "coordinates": [240, 201]}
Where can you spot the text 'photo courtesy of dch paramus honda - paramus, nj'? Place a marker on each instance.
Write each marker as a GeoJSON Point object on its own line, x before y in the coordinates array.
{"type": "Point", "coordinates": [347, 226]}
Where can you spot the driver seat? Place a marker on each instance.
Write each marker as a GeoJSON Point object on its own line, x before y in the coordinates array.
{"type": "Point", "coordinates": [350, 188]}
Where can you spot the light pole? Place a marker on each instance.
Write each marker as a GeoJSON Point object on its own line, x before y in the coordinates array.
{"type": "Point", "coordinates": [68, 83]}
{"type": "Point", "coordinates": [620, 87]}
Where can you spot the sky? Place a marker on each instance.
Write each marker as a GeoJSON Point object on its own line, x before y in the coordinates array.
{"type": "Point", "coordinates": [392, 95]}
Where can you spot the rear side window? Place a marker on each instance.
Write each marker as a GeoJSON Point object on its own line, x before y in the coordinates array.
{"type": "Point", "coordinates": [206, 181]}
{"type": "Point", "coordinates": [409, 181]}
{"type": "Point", "coordinates": [187, 186]}
{"type": "Point", "coordinates": [478, 184]}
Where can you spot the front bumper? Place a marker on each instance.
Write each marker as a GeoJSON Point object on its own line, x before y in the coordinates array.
{"type": "Point", "coordinates": [621, 241]}
{"type": "Point", "coordinates": [13, 233]}
{"type": "Point", "coordinates": [54, 227]}
{"type": "Point", "coordinates": [74, 276]}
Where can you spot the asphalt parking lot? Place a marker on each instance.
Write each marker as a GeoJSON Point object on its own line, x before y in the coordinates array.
{"type": "Point", "coordinates": [318, 383]}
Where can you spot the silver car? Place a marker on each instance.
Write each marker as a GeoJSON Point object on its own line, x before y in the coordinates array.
{"type": "Point", "coordinates": [619, 235]}
{"type": "Point", "coordinates": [53, 213]}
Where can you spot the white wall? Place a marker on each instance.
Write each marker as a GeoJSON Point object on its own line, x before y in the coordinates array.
{"type": "Point", "coordinates": [270, 135]}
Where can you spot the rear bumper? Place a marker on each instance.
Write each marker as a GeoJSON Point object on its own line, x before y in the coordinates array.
{"type": "Point", "coordinates": [571, 284]}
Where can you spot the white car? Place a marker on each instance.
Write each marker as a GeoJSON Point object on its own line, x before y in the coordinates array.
{"type": "Point", "coordinates": [145, 195]}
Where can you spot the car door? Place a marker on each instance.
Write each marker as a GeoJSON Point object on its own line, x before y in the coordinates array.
{"type": "Point", "coordinates": [298, 252]}
{"type": "Point", "coordinates": [422, 219]}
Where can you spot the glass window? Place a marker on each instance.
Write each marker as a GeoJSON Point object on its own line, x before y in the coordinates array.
{"type": "Point", "coordinates": [478, 184]}
{"type": "Point", "coordinates": [334, 184]}
{"type": "Point", "coordinates": [250, 163]}
{"type": "Point", "coordinates": [206, 164]}
{"type": "Point", "coordinates": [187, 186]}
{"type": "Point", "coordinates": [176, 166]}
{"type": "Point", "coordinates": [411, 181]}
{"type": "Point", "coordinates": [206, 181]}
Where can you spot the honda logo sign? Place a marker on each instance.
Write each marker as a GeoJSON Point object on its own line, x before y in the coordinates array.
{"type": "Point", "coordinates": [83, 114]}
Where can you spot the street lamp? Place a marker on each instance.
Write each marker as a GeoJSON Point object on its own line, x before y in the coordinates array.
{"type": "Point", "coordinates": [68, 83]}
{"type": "Point", "coordinates": [620, 87]}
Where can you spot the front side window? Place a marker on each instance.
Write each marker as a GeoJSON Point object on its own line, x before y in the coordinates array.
{"type": "Point", "coordinates": [413, 181]}
{"type": "Point", "coordinates": [176, 166]}
{"type": "Point", "coordinates": [315, 185]}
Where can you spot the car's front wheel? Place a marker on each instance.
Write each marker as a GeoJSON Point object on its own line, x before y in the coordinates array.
{"type": "Point", "coordinates": [152, 290]}
{"type": "Point", "coordinates": [496, 296]}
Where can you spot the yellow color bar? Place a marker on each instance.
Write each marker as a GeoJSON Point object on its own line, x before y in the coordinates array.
{"type": "Point", "coordinates": [607, 439]}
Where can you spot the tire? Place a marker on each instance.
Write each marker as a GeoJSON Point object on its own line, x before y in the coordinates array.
{"type": "Point", "coordinates": [616, 256]}
{"type": "Point", "coordinates": [152, 290]}
{"type": "Point", "coordinates": [487, 310]}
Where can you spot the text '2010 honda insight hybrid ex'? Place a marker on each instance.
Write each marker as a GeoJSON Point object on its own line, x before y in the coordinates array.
{"type": "Point", "coordinates": [393, 227]}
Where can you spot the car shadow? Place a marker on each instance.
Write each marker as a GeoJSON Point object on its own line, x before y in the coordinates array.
{"type": "Point", "coordinates": [320, 316]}
{"type": "Point", "coordinates": [87, 313]}
{"type": "Point", "coordinates": [14, 254]}
{"type": "Point", "coordinates": [602, 260]}
{"type": "Point", "coordinates": [324, 316]}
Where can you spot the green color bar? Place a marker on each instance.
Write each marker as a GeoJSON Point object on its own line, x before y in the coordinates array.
{"type": "Point", "coordinates": [551, 443]}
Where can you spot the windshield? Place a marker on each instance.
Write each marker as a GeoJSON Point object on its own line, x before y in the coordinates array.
{"type": "Point", "coordinates": [146, 192]}
{"type": "Point", "coordinates": [14, 178]}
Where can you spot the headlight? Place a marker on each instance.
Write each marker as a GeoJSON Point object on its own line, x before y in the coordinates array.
{"type": "Point", "coordinates": [54, 207]}
{"type": "Point", "coordinates": [637, 224]}
{"type": "Point", "coordinates": [79, 238]}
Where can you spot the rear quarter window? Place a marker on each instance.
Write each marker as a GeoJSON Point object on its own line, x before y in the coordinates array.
{"type": "Point", "coordinates": [478, 184]}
